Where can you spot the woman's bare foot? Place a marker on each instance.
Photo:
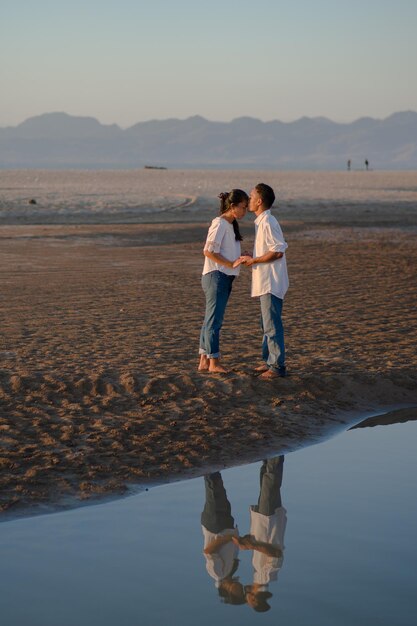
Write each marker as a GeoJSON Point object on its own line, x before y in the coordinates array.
{"type": "Point", "coordinates": [261, 368]}
{"type": "Point", "coordinates": [216, 368]}
{"type": "Point", "coordinates": [204, 363]}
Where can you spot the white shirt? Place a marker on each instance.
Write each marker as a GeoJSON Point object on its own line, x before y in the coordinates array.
{"type": "Point", "coordinates": [270, 529]}
{"type": "Point", "coordinates": [219, 564]}
{"type": "Point", "coordinates": [221, 239]}
{"type": "Point", "coordinates": [269, 277]}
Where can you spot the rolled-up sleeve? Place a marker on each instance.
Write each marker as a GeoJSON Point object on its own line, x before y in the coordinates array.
{"type": "Point", "coordinates": [215, 236]}
{"type": "Point", "coordinates": [273, 237]}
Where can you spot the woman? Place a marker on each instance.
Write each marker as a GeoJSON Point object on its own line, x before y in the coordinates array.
{"type": "Point", "coordinates": [221, 266]}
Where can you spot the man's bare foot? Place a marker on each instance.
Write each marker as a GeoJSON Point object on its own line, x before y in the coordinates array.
{"type": "Point", "coordinates": [261, 368]}
{"type": "Point", "coordinates": [269, 375]}
{"type": "Point", "coordinates": [204, 363]}
{"type": "Point", "coordinates": [216, 368]}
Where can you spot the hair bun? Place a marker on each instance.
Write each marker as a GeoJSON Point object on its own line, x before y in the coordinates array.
{"type": "Point", "coordinates": [223, 195]}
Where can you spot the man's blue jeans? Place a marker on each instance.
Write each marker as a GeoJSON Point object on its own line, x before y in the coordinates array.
{"type": "Point", "coordinates": [217, 287]}
{"type": "Point", "coordinates": [273, 349]}
{"type": "Point", "coordinates": [271, 480]}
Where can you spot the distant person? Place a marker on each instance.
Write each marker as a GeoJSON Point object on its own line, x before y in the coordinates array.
{"type": "Point", "coordinates": [222, 253]}
{"type": "Point", "coordinates": [269, 279]}
{"type": "Point", "coordinates": [366, 164]}
{"type": "Point", "coordinates": [349, 163]}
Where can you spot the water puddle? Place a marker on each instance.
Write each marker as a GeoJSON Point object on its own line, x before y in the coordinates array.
{"type": "Point", "coordinates": [325, 536]}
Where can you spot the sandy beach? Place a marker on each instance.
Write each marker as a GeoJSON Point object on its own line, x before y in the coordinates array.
{"type": "Point", "coordinates": [102, 306]}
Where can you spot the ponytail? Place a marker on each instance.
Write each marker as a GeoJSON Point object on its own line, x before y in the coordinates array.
{"type": "Point", "coordinates": [227, 198]}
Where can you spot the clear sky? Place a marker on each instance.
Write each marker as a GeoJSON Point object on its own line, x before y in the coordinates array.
{"type": "Point", "coordinates": [125, 61]}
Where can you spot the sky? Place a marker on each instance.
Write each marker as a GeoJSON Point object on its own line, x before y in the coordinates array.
{"type": "Point", "coordinates": [128, 61]}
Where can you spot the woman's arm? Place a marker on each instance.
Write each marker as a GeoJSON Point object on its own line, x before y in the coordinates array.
{"type": "Point", "coordinates": [215, 545]}
{"type": "Point", "coordinates": [218, 258]}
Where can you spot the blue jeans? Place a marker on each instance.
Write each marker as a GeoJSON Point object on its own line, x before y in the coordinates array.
{"type": "Point", "coordinates": [270, 481]}
{"type": "Point", "coordinates": [217, 512]}
{"type": "Point", "coordinates": [273, 349]}
{"type": "Point", "coordinates": [217, 287]}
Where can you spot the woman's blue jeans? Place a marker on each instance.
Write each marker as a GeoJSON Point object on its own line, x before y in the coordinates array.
{"type": "Point", "coordinates": [273, 349]}
{"type": "Point", "coordinates": [217, 288]}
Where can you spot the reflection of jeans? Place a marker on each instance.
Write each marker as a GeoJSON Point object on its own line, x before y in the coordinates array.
{"type": "Point", "coordinates": [273, 349]}
{"type": "Point", "coordinates": [217, 287]}
{"type": "Point", "coordinates": [270, 486]}
{"type": "Point", "coordinates": [217, 514]}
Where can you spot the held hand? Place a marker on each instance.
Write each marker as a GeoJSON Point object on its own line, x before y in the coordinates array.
{"type": "Point", "coordinates": [237, 262]}
{"type": "Point", "coordinates": [247, 260]}
{"type": "Point", "coordinates": [244, 543]}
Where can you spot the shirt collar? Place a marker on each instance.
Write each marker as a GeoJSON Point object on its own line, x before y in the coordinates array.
{"type": "Point", "coordinates": [262, 215]}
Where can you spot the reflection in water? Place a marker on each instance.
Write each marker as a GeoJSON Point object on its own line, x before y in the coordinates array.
{"type": "Point", "coordinates": [222, 541]}
{"type": "Point", "coordinates": [117, 563]}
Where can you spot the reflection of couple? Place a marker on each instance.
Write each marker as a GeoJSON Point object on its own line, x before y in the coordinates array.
{"type": "Point", "coordinates": [266, 538]}
{"type": "Point", "coordinates": [223, 259]}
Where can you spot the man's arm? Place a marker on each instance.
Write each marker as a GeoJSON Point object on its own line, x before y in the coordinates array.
{"type": "Point", "coordinates": [248, 542]}
{"type": "Point", "coordinates": [268, 257]}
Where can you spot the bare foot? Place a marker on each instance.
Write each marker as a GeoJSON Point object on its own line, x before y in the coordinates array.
{"type": "Point", "coordinates": [261, 368]}
{"type": "Point", "coordinates": [216, 368]}
{"type": "Point", "coordinates": [269, 375]}
{"type": "Point", "coordinates": [204, 363]}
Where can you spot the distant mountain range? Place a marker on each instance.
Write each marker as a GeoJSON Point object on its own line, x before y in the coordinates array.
{"type": "Point", "coordinates": [59, 140]}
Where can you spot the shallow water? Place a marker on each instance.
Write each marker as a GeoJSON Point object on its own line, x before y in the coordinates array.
{"type": "Point", "coordinates": [349, 555]}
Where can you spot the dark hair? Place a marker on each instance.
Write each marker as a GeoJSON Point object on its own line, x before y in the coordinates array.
{"type": "Point", "coordinates": [231, 591]}
{"type": "Point", "coordinates": [267, 194]}
{"type": "Point", "coordinates": [261, 605]}
{"type": "Point", "coordinates": [227, 198]}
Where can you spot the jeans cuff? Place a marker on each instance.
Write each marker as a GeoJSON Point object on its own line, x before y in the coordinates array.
{"type": "Point", "coordinates": [215, 355]}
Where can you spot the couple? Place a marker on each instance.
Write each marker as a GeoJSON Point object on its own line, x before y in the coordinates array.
{"type": "Point", "coordinates": [222, 542]}
{"type": "Point", "coordinates": [269, 276]}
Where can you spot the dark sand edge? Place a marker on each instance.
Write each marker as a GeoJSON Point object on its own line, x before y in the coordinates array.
{"type": "Point", "coordinates": [343, 422]}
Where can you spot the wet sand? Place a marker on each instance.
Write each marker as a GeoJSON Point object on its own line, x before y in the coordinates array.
{"type": "Point", "coordinates": [102, 307]}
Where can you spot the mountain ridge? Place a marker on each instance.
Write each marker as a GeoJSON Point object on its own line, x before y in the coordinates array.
{"type": "Point", "coordinates": [58, 140]}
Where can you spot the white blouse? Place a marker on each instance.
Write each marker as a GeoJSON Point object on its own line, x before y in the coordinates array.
{"type": "Point", "coordinates": [221, 239]}
{"type": "Point", "coordinates": [219, 564]}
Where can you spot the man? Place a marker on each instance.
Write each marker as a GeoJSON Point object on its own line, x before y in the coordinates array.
{"type": "Point", "coordinates": [266, 538]}
{"type": "Point", "coordinates": [269, 279]}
